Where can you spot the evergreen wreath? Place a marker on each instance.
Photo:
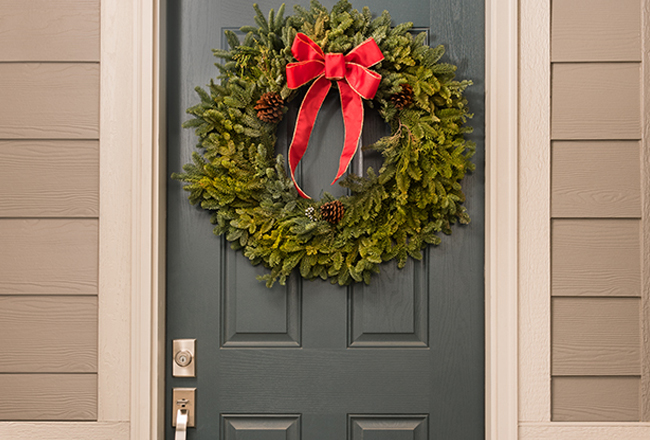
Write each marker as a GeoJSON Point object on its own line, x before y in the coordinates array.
{"type": "Point", "coordinates": [390, 214]}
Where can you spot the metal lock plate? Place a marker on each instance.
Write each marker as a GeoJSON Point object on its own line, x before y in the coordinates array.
{"type": "Point", "coordinates": [184, 398]}
{"type": "Point", "coordinates": [184, 358]}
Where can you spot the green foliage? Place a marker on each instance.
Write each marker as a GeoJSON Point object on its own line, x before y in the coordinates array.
{"type": "Point", "coordinates": [392, 214]}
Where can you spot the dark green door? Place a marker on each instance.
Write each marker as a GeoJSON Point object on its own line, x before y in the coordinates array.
{"type": "Point", "coordinates": [400, 359]}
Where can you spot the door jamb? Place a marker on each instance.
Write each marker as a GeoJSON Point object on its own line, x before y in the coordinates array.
{"type": "Point", "coordinates": [148, 221]}
{"type": "Point", "coordinates": [501, 218]}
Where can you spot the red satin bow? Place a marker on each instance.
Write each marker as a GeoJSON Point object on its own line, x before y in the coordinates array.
{"type": "Point", "coordinates": [354, 80]}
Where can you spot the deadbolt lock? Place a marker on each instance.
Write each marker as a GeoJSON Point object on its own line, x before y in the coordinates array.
{"type": "Point", "coordinates": [183, 358]}
{"type": "Point", "coordinates": [184, 351]}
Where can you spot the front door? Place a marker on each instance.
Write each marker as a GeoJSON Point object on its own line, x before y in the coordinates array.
{"type": "Point", "coordinates": [402, 358]}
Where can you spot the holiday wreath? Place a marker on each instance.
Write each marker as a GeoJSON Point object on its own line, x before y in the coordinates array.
{"type": "Point", "coordinates": [392, 213]}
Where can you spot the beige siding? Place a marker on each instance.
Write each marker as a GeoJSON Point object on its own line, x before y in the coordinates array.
{"type": "Point", "coordinates": [595, 257]}
{"type": "Point", "coordinates": [49, 209]}
{"type": "Point", "coordinates": [596, 179]}
{"type": "Point", "coordinates": [596, 101]}
{"type": "Point", "coordinates": [48, 256]}
{"type": "Point", "coordinates": [48, 334]}
{"type": "Point", "coordinates": [596, 30]}
{"type": "Point", "coordinates": [596, 214]}
{"type": "Point", "coordinates": [52, 178]}
{"type": "Point", "coordinates": [48, 397]}
{"type": "Point", "coordinates": [595, 399]}
{"type": "Point", "coordinates": [595, 336]}
{"type": "Point", "coordinates": [46, 30]}
{"type": "Point", "coordinates": [49, 100]}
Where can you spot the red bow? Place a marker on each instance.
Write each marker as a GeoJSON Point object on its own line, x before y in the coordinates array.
{"type": "Point", "coordinates": [354, 80]}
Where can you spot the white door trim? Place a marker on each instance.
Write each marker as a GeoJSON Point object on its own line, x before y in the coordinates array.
{"type": "Point", "coordinates": [534, 215]}
{"type": "Point", "coordinates": [148, 223]}
{"type": "Point", "coordinates": [147, 219]}
{"type": "Point", "coordinates": [501, 218]}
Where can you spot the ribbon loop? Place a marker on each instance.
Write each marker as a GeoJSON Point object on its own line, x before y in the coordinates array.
{"type": "Point", "coordinates": [334, 66]}
{"type": "Point", "coordinates": [355, 82]}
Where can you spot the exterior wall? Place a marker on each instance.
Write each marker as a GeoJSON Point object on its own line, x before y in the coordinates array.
{"type": "Point", "coordinates": [583, 259]}
{"type": "Point", "coordinates": [75, 364]}
{"type": "Point", "coordinates": [49, 209]}
{"type": "Point", "coordinates": [596, 215]}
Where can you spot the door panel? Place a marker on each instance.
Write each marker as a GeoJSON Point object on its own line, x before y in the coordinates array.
{"type": "Point", "coordinates": [392, 312]}
{"type": "Point", "coordinates": [401, 358]}
{"type": "Point", "coordinates": [260, 427]}
{"type": "Point", "coordinates": [252, 315]}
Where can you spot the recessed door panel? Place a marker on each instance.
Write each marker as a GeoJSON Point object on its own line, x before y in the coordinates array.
{"type": "Point", "coordinates": [261, 427]}
{"type": "Point", "coordinates": [392, 312]}
{"type": "Point", "coordinates": [383, 427]}
{"type": "Point", "coordinates": [252, 314]}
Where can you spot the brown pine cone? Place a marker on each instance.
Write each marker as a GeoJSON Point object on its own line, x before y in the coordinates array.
{"type": "Point", "coordinates": [404, 98]}
{"type": "Point", "coordinates": [269, 107]}
{"type": "Point", "coordinates": [332, 212]}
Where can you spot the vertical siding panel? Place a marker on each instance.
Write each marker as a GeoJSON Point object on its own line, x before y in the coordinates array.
{"type": "Point", "coordinates": [598, 190]}
{"type": "Point", "coordinates": [534, 251]}
{"type": "Point", "coordinates": [49, 210]}
{"type": "Point", "coordinates": [645, 223]}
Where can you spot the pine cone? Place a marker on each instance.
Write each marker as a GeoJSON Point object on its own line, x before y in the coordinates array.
{"type": "Point", "coordinates": [404, 98]}
{"type": "Point", "coordinates": [332, 212]}
{"type": "Point", "coordinates": [269, 107]}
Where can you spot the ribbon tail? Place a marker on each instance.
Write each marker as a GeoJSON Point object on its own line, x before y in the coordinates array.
{"type": "Point", "coordinates": [352, 107]}
{"type": "Point", "coordinates": [309, 109]}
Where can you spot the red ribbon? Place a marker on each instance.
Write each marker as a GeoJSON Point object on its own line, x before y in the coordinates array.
{"type": "Point", "coordinates": [354, 80]}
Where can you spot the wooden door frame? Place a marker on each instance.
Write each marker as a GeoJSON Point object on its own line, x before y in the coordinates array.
{"type": "Point", "coordinates": [142, 56]}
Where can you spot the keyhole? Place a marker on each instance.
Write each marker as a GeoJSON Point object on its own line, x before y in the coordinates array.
{"type": "Point", "coordinates": [183, 358]}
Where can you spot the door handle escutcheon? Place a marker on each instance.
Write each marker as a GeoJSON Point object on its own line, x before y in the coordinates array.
{"type": "Point", "coordinates": [184, 399]}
